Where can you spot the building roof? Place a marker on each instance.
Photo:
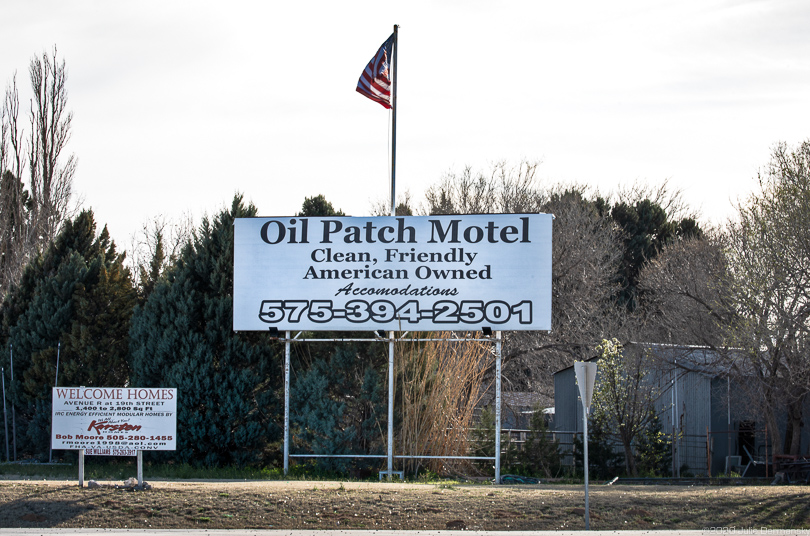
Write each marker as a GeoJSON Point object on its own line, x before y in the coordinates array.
{"type": "Point", "coordinates": [700, 359]}
{"type": "Point", "coordinates": [519, 399]}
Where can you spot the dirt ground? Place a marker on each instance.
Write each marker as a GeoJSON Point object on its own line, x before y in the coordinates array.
{"type": "Point", "coordinates": [353, 505]}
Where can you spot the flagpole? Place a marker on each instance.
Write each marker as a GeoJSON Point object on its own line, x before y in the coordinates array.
{"type": "Point", "coordinates": [394, 54]}
{"type": "Point", "coordinates": [393, 213]}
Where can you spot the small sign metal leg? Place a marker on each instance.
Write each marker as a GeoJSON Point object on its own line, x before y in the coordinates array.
{"type": "Point", "coordinates": [140, 468]}
{"type": "Point", "coordinates": [81, 468]}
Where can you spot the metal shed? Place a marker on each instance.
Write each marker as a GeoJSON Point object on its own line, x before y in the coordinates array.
{"type": "Point", "coordinates": [714, 426]}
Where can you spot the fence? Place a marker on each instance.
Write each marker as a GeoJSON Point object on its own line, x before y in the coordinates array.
{"type": "Point", "coordinates": [690, 452]}
{"type": "Point", "coordinates": [722, 451]}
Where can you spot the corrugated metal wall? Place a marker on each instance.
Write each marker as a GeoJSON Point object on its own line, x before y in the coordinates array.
{"type": "Point", "coordinates": [567, 406]}
{"type": "Point", "coordinates": [684, 408]}
{"type": "Point", "coordinates": [693, 404]}
{"type": "Point", "coordinates": [688, 419]}
{"type": "Point", "coordinates": [567, 412]}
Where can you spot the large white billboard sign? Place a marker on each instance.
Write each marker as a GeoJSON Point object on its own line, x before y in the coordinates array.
{"type": "Point", "coordinates": [114, 421]}
{"type": "Point", "coordinates": [416, 273]}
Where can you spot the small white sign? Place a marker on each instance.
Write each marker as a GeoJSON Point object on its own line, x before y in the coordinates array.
{"type": "Point", "coordinates": [586, 376]}
{"type": "Point", "coordinates": [114, 421]}
{"type": "Point", "coordinates": [110, 452]}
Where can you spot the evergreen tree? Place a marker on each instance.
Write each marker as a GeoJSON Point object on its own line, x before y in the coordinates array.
{"type": "Point", "coordinates": [541, 453]}
{"type": "Point", "coordinates": [318, 415]}
{"type": "Point", "coordinates": [483, 438]}
{"type": "Point", "coordinates": [15, 250]}
{"type": "Point", "coordinates": [338, 406]}
{"type": "Point", "coordinates": [77, 295]}
{"type": "Point", "coordinates": [318, 206]}
{"type": "Point", "coordinates": [647, 229]}
{"type": "Point", "coordinates": [604, 462]}
{"type": "Point", "coordinates": [654, 449]}
{"type": "Point", "coordinates": [338, 399]}
{"type": "Point", "coordinates": [182, 337]}
{"type": "Point", "coordinates": [150, 274]}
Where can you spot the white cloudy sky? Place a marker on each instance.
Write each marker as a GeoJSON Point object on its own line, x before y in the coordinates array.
{"type": "Point", "coordinates": [178, 105]}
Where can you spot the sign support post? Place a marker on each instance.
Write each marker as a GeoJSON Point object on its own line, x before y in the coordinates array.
{"type": "Point", "coordinates": [81, 468]}
{"type": "Point", "coordinates": [13, 401]}
{"type": "Point", "coordinates": [5, 415]}
{"type": "Point", "coordinates": [586, 376]}
{"type": "Point", "coordinates": [287, 403]}
{"type": "Point", "coordinates": [140, 468]}
{"type": "Point", "coordinates": [497, 407]}
{"type": "Point", "coordinates": [55, 384]}
{"type": "Point", "coordinates": [585, 463]}
{"type": "Point", "coordinates": [390, 405]}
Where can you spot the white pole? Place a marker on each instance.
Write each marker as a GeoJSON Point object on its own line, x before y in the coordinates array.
{"type": "Point", "coordinates": [394, 54]}
{"type": "Point", "coordinates": [390, 404]}
{"type": "Point", "coordinates": [81, 468]}
{"type": "Point", "coordinates": [5, 415]}
{"type": "Point", "coordinates": [497, 407]}
{"type": "Point", "coordinates": [55, 384]}
{"type": "Point", "coordinates": [13, 406]}
{"type": "Point", "coordinates": [58, 351]}
{"type": "Point", "coordinates": [586, 377]}
{"type": "Point", "coordinates": [728, 409]}
{"type": "Point", "coordinates": [585, 463]}
{"type": "Point", "coordinates": [140, 468]}
{"type": "Point", "coordinates": [287, 403]}
{"type": "Point", "coordinates": [677, 439]}
{"type": "Point", "coordinates": [674, 434]}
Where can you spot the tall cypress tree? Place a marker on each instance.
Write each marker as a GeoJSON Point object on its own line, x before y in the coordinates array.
{"type": "Point", "coordinates": [646, 230]}
{"type": "Point", "coordinates": [182, 337]}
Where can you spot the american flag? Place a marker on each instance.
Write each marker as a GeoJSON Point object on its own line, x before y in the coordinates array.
{"type": "Point", "coordinates": [375, 82]}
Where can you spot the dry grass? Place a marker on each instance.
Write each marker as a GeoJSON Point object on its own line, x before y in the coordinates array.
{"type": "Point", "coordinates": [335, 505]}
{"type": "Point", "coordinates": [439, 384]}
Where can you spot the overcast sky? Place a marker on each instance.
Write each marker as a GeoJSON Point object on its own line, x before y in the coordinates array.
{"type": "Point", "coordinates": [178, 105]}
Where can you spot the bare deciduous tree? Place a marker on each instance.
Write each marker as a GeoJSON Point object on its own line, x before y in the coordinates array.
{"type": "Point", "coordinates": [156, 247]}
{"type": "Point", "coordinates": [586, 251]}
{"type": "Point", "coordinates": [12, 157]}
{"type": "Point", "coordinates": [685, 299]}
{"type": "Point", "coordinates": [769, 261]}
{"type": "Point", "coordinates": [51, 175]}
{"type": "Point", "coordinates": [31, 215]}
{"type": "Point", "coordinates": [745, 292]}
{"type": "Point", "coordinates": [622, 398]}
{"type": "Point", "coordinates": [503, 189]}
{"type": "Point", "coordinates": [662, 194]}
{"type": "Point", "coordinates": [382, 207]}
